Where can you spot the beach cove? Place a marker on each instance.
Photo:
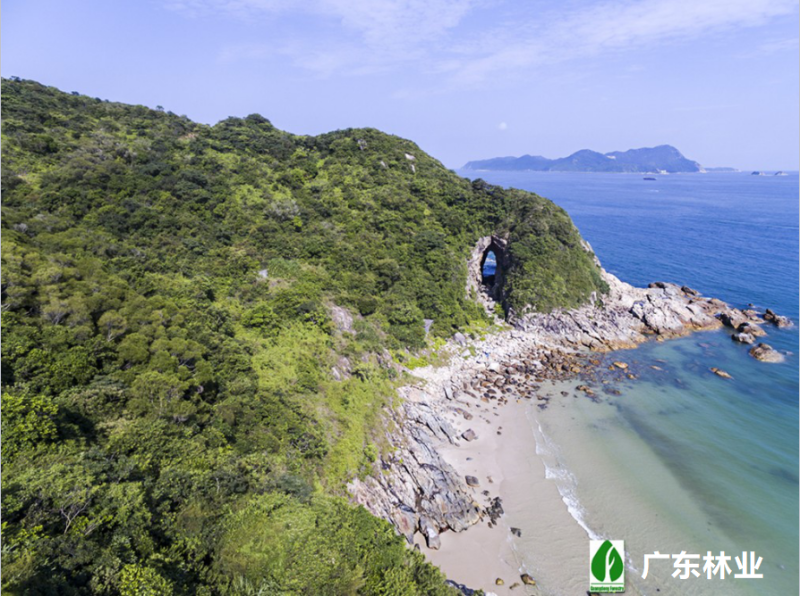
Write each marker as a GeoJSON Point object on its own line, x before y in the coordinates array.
{"type": "Point", "coordinates": [490, 419]}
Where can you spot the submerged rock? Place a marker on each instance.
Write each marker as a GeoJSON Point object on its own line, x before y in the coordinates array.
{"type": "Point", "coordinates": [721, 373]}
{"type": "Point", "coordinates": [766, 353]}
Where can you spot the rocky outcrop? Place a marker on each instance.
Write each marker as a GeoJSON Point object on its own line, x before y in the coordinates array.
{"type": "Point", "coordinates": [342, 319]}
{"type": "Point", "coordinates": [630, 316]}
{"type": "Point", "coordinates": [415, 488]}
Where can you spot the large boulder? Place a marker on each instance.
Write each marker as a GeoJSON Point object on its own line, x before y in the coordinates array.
{"type": "Point", "coordinates": [751, 329]}
{"type": "Point", "coordinates": [732, 319]}
{"type": "Point", "coordinates": [766, 353]}
{"type": "Point", "coordinates": [430, 532]}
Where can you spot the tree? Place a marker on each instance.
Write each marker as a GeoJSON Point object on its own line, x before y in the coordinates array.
{"type": "Point", "coordinates": [26, 421]}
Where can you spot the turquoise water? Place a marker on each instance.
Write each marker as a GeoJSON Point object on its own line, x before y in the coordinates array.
{"type": "Point", "coordinates": [683, 458]}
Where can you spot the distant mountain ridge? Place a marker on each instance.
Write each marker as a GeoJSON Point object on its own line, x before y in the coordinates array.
{"type": "Point", "coordinates": [663, 158]}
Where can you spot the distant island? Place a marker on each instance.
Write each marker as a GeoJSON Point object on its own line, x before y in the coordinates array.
{"type": "Point", "coordinates": [663, 159]}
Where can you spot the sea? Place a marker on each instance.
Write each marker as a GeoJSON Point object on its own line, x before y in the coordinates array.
{"type": "Point", "coordinates": [683, 461]}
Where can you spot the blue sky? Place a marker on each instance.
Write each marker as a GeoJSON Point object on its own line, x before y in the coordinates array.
{"type": "Point", "coordinates": [465, 79]}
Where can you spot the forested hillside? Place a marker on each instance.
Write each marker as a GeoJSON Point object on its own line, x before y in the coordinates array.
{"type": "Point", "coordinates": [201, 326]}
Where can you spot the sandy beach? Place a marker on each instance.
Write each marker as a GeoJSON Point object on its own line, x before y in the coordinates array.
{"type": "Point", "coordinates": [552, 547]}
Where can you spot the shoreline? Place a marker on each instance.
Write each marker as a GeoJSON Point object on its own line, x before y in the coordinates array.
{"type": "Point", "coordinates": [492, 389]}
{"type": "Point", "coordinates": [533, 506]}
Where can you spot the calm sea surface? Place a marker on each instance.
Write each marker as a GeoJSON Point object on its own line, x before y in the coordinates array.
{"type": "Point", "coordinates": [682, 459]}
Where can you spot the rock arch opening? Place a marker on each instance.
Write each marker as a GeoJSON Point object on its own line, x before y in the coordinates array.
{"type": "Point", "coordinates": [486, 271]}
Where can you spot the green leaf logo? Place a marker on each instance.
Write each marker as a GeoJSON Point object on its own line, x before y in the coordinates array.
{"type": "Point", "coordinates": [607, 561]}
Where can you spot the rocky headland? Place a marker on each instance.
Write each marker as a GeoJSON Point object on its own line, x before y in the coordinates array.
{"type": "Point", "coordinates": [414, 485]}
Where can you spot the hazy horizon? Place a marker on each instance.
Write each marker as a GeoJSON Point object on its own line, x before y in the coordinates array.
{"type": "Point", "coordinates": [465, 79]}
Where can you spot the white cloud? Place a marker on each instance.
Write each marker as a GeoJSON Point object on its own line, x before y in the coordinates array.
{"type": "Point", "coordinates": [346, 36]}
{"type": "Point", "coordinates": [614, 26]}
{"type": "Point", "coordinates": [377, 22]}
{"type": "Point", "coordinates": [432, 36]}
{"type": "Point", "coordinates": [502, 126]}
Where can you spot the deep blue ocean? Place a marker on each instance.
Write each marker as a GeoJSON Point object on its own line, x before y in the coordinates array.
{"type": "Point", "coordinates": [731, 448]}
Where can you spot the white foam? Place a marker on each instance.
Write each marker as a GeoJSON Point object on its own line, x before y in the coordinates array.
{"type": "Point", "coordinates": [566, 483]}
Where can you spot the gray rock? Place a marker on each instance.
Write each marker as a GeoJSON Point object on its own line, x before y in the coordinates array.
{"type": "Point", "coordinates": [460, 339]}
{"type": "Point", "coordinates": [342, 318]}
{"type": "Point", "coordinates": [428, 529]}
{"type": "Point", "coordinates": [428, 324]}
{"type": "Point", "coordinates": [405, 520]}
{"type": "Point", "coordinates": [766, 353]}
{"type": "Point", "coordinates": [469, 435]}
{"type": "Point", "coordinates": [751, 329]}
{"type": "Point", "coordinates": [732, 320]}
{"type": "Point", "coordinates": [742, 337]}
{"type": "Point", "coordinates": [472, 481]}
{"type": "Point", "coordinates": [776, 319]}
